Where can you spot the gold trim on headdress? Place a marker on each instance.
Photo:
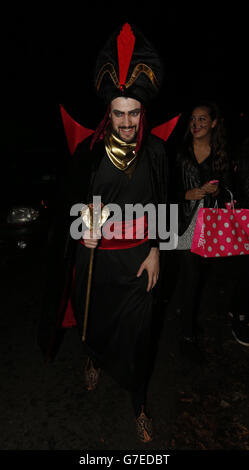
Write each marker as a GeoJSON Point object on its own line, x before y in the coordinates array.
{"type": "Point", "coordinates": [140, 68]}
{"type": "Point", "coordinates": [107, 68]}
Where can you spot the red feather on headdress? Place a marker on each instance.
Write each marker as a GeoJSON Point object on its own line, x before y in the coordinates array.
{"type": "Point", "coordinates": [125, 45]}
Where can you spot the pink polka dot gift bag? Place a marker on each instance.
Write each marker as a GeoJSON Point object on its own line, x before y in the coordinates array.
{"type": "Point", "coordinates": [221, 232]}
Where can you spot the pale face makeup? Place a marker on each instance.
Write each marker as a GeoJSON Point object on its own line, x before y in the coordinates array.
{"type": "Point", "coordinates": [125, 117]}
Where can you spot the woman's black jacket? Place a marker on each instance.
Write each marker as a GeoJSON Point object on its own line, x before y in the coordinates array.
{"type": "Point", "coordinates": [188, 175]}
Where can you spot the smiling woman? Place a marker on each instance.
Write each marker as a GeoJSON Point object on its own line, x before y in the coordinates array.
{"type": "Point", "coordinates": [204, 176]}
{"type": "Point", "coordinates": [201, 123]}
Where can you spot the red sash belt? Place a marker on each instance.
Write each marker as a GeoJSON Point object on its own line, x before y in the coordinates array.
{"type": "Point", "coordinates": [127, 234]}
{"type": "Point", "coordinates": [130, 234]}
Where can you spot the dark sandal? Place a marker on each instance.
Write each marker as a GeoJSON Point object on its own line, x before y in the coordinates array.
{"type": "Point", "coordinates": [91, 375]}
{"type": "Point", "coordinates": [144, 427]}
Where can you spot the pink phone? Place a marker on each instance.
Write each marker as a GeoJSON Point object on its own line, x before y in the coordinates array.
{"type": "Point", "coordinates": [213, 181]}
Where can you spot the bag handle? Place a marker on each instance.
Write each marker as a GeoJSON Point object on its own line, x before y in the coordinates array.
{"type": "Point", "coordinates": [231, 203]}
{"type": "Point", "coordinates": [232, 199]}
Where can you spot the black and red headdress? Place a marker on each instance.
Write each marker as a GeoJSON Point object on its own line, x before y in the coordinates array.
{"type": "Point", "coordinates": [129, 66]}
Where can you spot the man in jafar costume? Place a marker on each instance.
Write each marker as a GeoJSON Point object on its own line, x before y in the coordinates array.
{"type": "Point", "coordinates": [124, 164]}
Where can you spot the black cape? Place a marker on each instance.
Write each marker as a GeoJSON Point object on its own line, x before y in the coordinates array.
{"type": "Point", "coordinates": [64, 254]}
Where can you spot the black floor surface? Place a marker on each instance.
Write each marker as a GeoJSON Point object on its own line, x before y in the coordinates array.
{"type": "Point", "coordinates": [46, 407]}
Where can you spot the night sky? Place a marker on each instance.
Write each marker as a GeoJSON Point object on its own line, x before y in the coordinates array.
{"type": "Point", "coordinates": [49, 57]}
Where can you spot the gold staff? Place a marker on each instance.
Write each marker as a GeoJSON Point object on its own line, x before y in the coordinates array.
{"type": "Point", "coordinates": [94, 216]}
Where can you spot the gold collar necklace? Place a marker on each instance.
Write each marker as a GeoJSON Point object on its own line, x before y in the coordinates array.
{"type": "Point", "coordinates": [121, 154]}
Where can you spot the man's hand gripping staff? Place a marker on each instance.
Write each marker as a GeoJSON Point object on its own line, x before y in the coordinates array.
{"type": "Point", "coordinates": [94, 216]}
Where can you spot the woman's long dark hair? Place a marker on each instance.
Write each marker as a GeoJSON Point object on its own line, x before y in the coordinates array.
{"type": "Point", "coordinates": [218, 139]}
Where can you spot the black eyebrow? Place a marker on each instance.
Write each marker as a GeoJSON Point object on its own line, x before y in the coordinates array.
{"type": "Point", "coordinates": [136, 110]}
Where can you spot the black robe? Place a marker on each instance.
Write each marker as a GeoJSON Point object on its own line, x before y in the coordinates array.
{"type": "Point", "coordinates": [120, 328]}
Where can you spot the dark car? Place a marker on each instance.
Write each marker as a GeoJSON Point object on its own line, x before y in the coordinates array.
{"type": "Point", "coordinates": [25, 206]}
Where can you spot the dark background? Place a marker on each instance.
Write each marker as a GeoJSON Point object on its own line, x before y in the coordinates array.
{"type": "Point", "coordinates": [48, 57]}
